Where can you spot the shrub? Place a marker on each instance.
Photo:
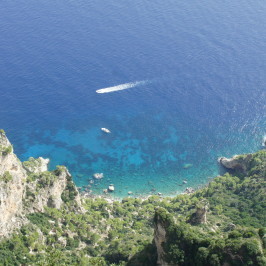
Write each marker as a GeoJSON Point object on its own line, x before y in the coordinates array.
{"type": "Point", "coordinates": [7, 150]}
{"type": "Point", "coordinates": [6, 177]}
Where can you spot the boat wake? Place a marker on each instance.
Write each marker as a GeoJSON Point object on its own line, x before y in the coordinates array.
{"type": "Point", "coordinates": [122, 87]}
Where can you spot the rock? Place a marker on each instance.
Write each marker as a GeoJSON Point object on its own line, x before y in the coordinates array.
{"type": "Point", "coordinates": [230, 227]}
{"type": "Point", "coordinates": [49, 195]}
{"type": "Point", "coordinates": [187, 165]}
{"type": "Point", "coordinates": [159, 194]}
{"type": "Point", "coordinates": [236, 163]}
{"type": "Point", "coordinates": [111, 188]}
{"type": "Point", "coordinates": [62, 240]}
{"type": "Point", "coordinates": [36, 166]}
{"type": "Point", "coordinates": [98, 175]}
{"type": "Point", "coordinates": [189, 190]}
{"type": "Point", "coordinates": [105, 190]}
{"type": "Point", "coordinates": [18, 197]}
{"type": "Point", "coordinates": [160, 238]}
{"type": "Point", "coordinates": [12, 188]}
{"type": "Point", "coordinates": [200, 216]}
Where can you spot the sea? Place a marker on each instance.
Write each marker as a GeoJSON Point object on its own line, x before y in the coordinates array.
{"type": "Point", "coordinates": [181, 83]}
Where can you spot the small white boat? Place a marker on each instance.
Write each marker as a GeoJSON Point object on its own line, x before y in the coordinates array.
{"type": "Point", "coordinates": [106, 130]}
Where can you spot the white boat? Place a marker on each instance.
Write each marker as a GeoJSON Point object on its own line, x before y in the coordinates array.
{"type": "Point", "coordinates": [106, 130]}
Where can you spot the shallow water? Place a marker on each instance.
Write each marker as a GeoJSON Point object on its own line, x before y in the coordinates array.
{"type": "Point", "coordinates": [204, 96]}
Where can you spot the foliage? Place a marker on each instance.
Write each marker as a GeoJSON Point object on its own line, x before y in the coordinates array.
{"type": "Point", "coordinates": [121, 233]}
{"type": "Point", "coordinates": [6, 150]}
{"type": "Point", "coordinates": [6, 177]}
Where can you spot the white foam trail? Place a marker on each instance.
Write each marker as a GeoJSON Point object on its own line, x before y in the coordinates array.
{"type": "Point", "coordinates": [121, 87]}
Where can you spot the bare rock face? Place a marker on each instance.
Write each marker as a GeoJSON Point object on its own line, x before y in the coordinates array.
{"type": "Point", "coordinates": [12, 187]}
{"type": "Point", "coordinates": [38, 165]}
{"type": "Point", "coordinates": [237, 163]}
{"type": "Point", "coordinates": [160, 238]}
{"type": "Point", "coordinates": [200, 216]}
{"type": "Point", "coordinates": [48, 195]}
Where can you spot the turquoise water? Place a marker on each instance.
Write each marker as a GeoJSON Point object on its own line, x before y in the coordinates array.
{"type": "Point", "coordinates": [203, 64]}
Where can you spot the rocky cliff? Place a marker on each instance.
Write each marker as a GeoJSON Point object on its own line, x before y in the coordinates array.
{"type": "Point", "coordinates": [160, 225]}
{"type": "Point", "coordinates": [28, 187]}
{"type": "Point", "coordinates": [238, 163]}
{"type": "Point", "coordinates": [12, 187]}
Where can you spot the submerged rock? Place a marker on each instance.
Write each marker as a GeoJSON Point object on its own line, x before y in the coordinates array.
{"type": "Point", "coordinates": [187, 165]}
{"type": "Point", "coordinates": [98, 175]}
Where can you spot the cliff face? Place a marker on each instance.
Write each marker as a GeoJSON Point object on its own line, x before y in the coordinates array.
{"type": "Point", "coordinates": [28, 187]}
{"type": "Point", "coordinates": [160, 239]}
{"type": "Point", "coordinates": [12, 187]}
{"type": "Point", "coordinates": [46, 189]}
{"type": "Point", "coordinates": [161, 223]}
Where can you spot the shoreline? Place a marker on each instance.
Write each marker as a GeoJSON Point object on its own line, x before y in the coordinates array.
{"type": "Point", "coordinates": [111, 198]}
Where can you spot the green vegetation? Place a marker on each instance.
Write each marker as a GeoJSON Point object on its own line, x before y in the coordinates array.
{"type": "Point", "coordinates": [6, 150]}
{"type": "Point", "coordinates": [43, 179]}
{"type": "Point", "coordinates": [121, 233]}
{"type": "Point", "coordinates": [6, 177]}
{"type": "Point", "coordinates": [32, 163]}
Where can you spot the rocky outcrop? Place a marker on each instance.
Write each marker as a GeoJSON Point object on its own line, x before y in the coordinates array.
{"type": "Point", "coordinates": [200, 215]}
{"type": "Point", "coordinates": [237, 163]}
{"type": "Point", "coordinates": [36, 166]}
{"type": "Point", "coordinates": [12, 187]}
{"type": "Point", "coordinates": [160, 238]}
{"type": "Point", "coordinates": [29, 187]}
{"type": "Point", "coordinates": [48, 195]}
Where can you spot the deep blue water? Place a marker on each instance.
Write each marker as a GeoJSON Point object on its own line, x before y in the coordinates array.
{"type": "Point", "coordinates": [204, 63]}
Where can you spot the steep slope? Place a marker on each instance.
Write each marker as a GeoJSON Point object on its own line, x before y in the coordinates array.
{"type": "Point", "coordinates": [12, 187]}
{"type": "Point", "coordinates": [221, 224]}
{"type": "Point", "coordinates": [233, 231]}
{"type": "Point", "coordinates": [28, 187]}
